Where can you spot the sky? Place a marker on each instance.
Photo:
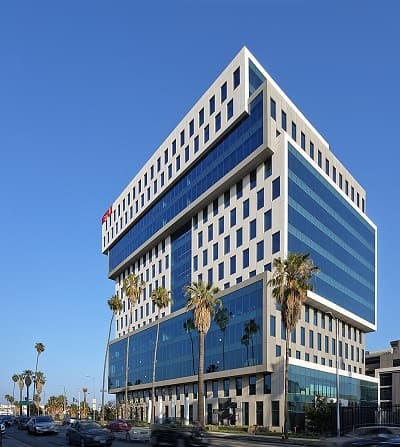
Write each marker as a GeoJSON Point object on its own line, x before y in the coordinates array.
{"type": "Point", "coordinates": [88, 91]}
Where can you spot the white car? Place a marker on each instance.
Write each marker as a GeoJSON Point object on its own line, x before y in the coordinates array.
{"type": "Point", "coordinates": [138, 434]}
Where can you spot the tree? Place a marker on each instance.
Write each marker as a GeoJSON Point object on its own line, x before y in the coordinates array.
{"type": "Point", "coordinates": [27, 375]}
{"type": "Point", "coordinates": [161, 298]}
{"type": "Point", "coordinates": [290, 282]}
{"type": "Point", "coordinates": [40, 380]}
{"type": "Point", "coordinates": [39, 349]}
{"type": "Point", "coordinates": [21, 385]}
{"type": "Point", "coordinates": [85, 412]}
{"type": "Point", "coordinates": [222, 319]}
{"type": "Point", "coordinates": [319, 415]}
{"type": "Point", "coordinates": [132, 287]}
{"type": "Point", "coordinates": [15, 379]}
{"type": "Point", "coordinates": [250, 329]}
{"type": "Point", "coordinates": [55, 405]}
{"type": "Point", "coordinates": [202, 300]}
{"type": "Point", "coordinates": [115, 305]}
{"type": "Point", "coordinates": [188, 325]}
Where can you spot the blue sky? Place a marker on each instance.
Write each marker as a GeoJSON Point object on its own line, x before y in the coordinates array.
{"type": "Point", "coordinates": [89, 89]}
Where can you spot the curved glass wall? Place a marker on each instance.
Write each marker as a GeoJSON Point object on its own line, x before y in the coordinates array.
{"type": "Point", "coordinates": [233, 341]}
{"type": "Point", "coordinates": [340, 242]}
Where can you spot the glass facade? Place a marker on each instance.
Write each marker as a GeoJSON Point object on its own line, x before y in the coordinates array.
{"type": "Point", "coordinates": [230, 151]}
{"type": "Point", "coordinates": [181, 267]}
{"type": "Point", "coordinates": [255, 78]}
{"type": "Point", "coordinates": [340, 242]}
{"type": "Point", "coordinates": [236, 345]}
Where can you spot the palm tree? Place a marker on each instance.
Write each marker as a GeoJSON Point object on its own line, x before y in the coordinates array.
{"type": "Point", "coordinates": [115, 305]}
{"type": "Point", "coordinates": [39, 349]}
{"type": "Point", "coordinates": [202, 300]}
{"type": "Point", "coordinates": [290, 282]}
{"type": "Point", "coordinates": [27, 375]}
{"type": "Point", "coordinates": [246, 341]}
{"type": "Point", "coordinates": [85, 390]}
{"type": "Point", "coordinates": [132, 287]}
{"type": "Point", "coordinates": [161, 298]}
{"type": "Point", "coordinates": [188, 325]}
{"type": "Point", "coordinates": [222, 319]}
{"type": "Point", "coordinates": [250, 329]}
{"type": "Point", "coordinates": [21, 385]}
{"type": "Point", "coordinates": [40, 380]}
{"type": "Point", "coordinates": [14, 378]}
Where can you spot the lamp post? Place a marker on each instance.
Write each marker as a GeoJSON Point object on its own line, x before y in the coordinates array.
{"type": "Point", "coordinates": [337, 372]}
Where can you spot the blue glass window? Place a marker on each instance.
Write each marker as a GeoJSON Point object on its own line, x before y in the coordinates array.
{"type": "Point", "coordinates": [260, 198]}
{"type": "Point", "coordinates": [284, 123]}
{"type": "Point", "coordinates": [233, 265]}
{"type": "Point", "coordinates": [319, 158]}
{"type": "Point", "coordinates": [229, 109]}
{"type": "Point", "coordinates": [227, 244]}
{"type": "Point", "coordinates": [253, 229]}
{"type": "Point", "coordinates": [210, 276]}
{"type": "Point", "coordinates": [239, 189]}
{"type": "Point", "coordinates": [268, 167]}
{"type": "Point", "coordinates": [276, 242]}
{"type": "Point", "coordinates": [181, 257]}
{"type": "Point", "coordinates": [215, 251]}
{"type": "Point", "coordinates": [178, 162]}
{"type": "Point", "coordinates": [210, 232]}
{"type": "Point", "coordinates": [239, 237]}
{"type": "Point", "coordinates": [272, 108]}
{"type": "Point", "coordinates": [294, 131]}
{"type": "Point", "coordinates": [276, 188]}
{"type": "Point", "coordinates": [245, 258]}
{"type": "Point", "coordinates": [217, 122]}
{"type": "Point", "coordinates": [201, 117]}
{"type": "Point", "coordinates": [255, 78]}
{"type": "Point", "coordinates": [260, 251]}
{"type": "Point", "coordinates": [212, 105]}
{"type": "Point", "coordinates": [278, 351]}
{"type": "Point", "coordinates": [220, 271]}
{"type": "Point", "coordinates": [186, 153]}
{"type": "Point", "coordinates": [169, 172]}
{"type": "Point", "coordinates": [233, 217]}
{"type": "Point", "coordinates": [206, 133]}
{"type": "Point", "coordinates": [205, 257]}
{"type": "Point", "coordinates": [236, 78]}
{"type": "Point", "coordinates": [303, 141]}
{"type": "Point", "coordinates": [312, 150]}
{"type": "Point", "coordinates": [191, 128]}
{"type": "Point", "coordinates": [267, 220]}
{"type": "Point", "coordinates": [253, 179]}
{"type": "Point", "coordinates": [227, 198]}
{"type": "Point", "coordinates": [200, 239]}
{"type": "Point", "coordinates": [246, 208]}
{"type": "Point", "coordinates": [327, 166]}
{"type": "Point", "coordinates": [272, 326]}
{"type": "Point", "coordinates": [196, 144]}
{"type": "Point", "coordinates": [195, 263]}
{"type": "Point", "coordinates": [182, 138]}
{"type": "Point", "coordinates": [174, 147]}
{"type": "Point", "coordinates": [165, 161]}
{"type": "Point", "coordinates": [221, 225]}
{"type": "Point", "coordinates": [224, 91]}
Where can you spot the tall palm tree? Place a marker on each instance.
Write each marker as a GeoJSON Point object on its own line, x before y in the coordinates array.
{"type": "Point", "coordinates": [188, 325]}
{"type": "Point", "coordinates": [85, 390]}
{"type": "Point", "coordinates": [39, 349]}
{"type": "Point", "coordinates": [115, 305]}
{"type": "Point", "coordinates": [14, 378]}
{"type": "Point", "coordinates": [202, 300]}
{"type": "Point", "coordinates": [132, 287]}
{"type": "Point", "coordinates": [40, 380]}
{"type": "Point", "coordinates": [290, 282]}
{"type": "Point", "coordinates": [21, 385]}
{"type": "Point", "coordinates": [161, 298]}
{"type": "Point", "coordinates": [245, 342]}
{"type": "Point", "coordinates": [250, 329]}
{"type": "Point", "coordinates": [222, 319]}
{"type": "Point", "coordinates": [27, 374]}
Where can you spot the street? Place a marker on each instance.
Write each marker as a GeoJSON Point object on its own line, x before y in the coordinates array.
{"type": "Point", "coordinates": [20, 438]}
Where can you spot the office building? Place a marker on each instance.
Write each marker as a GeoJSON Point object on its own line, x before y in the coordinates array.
{"type": "Point", "coordinates": [242, 179]}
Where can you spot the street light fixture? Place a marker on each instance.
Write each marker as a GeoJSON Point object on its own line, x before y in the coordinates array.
{"type": "Point", "coordinates": [337, 372]}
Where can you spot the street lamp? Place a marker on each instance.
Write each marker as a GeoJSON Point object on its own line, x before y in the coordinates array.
{"type": "Point", "coordinates": [337, 372]}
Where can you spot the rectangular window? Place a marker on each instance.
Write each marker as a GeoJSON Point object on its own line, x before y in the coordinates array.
{"type": "Point", "coordinates": [158, 165]}
{"type": "Point", "coordinates": [268, 168]}
{"type": "Point", "coordinates": [334, 174]}
{"type": "Point", "coordinates": [200, 239]}
{"type": "Point", "coordinates": [178, 162]}
{"type": "Point", "coordinates": [340, 181]}
{"type": "Point", "coordinates": [206, 133]}
{"type": "Point", "coordinates": [174, 147]}
{"type": "Point", "coordinates": [165, 159]}
{"type": "Point", "coordinates": [233, 217]}
{"type": "Point", "coordinates": [191, 128]}
{"type": "Point", "coordinates": [245, 258]}
{"type": "Point", "coordinates": [233, 265]}
{"type": "Point", "coordinates": [246, 208]}
{"type": "Point", "coordinates": [236, 78]}
{"type": "Point", "coordinates": [312, 150]}
{"type": "Point", "coordinates": [239, 386]}
{"type": "Point", "coordinates": [260, 199]}
{"type": "Point", "coordinates": [210, 276]}
{"type": "Point", "coordinates": [272, 108]}
{"type": "Point", "coordinates": [253, 229]}
{"type": "Point", "coordinates": [307, 313]}
{"type": "Point", "coordinates": [215, 388]}
{"type": "Point", "coordinates": [276, 188]}
{"type": "Point", "coordinates": [217, 122]}
{"type": "Point", "coordinates": [311, 339]}
{"type": "Point", "coordinates": [268, 220]}
{"type": "Point", "coordinates": [239, 237]}
{"type": "Point", "coordinates": [278, 350]}
{"type": "Point", "coordinates": [276, 242]}
{"type": "Point", "coordinates": [220, 271]}
{"type": "Point", "coordinates": [303, 141]}
{"type": "Point", "coordinates": [275, 413]}
{"type": "Point", "coordinates": [239, 189]}
{"type": "Point", "coordinates": [224, 92]}
{"type": "Point", "coordinates": [346, 188]}
{"type": "Point", "coordinates": [260, 251]}
{"type": "Point", "coordinates": [196, 144]}
{"type": "Point", "coordinates": [327, 170]}
{"type": "Point", "coordinates": [195, 263]}
{"type": "Point", "coordinates": [221, 225]}
{"type": "Point", "coordinates": [253, 179]}
{"type": "Point", "coordinates": [212, 105]}
{"type": "Point", "coordinates": [205, 257]}
{"type": "Point", "coordinates": [319, 341]}
{"type": "Point", "coordinates": [294, 131]}
{"type": "Point", "coordinates": [205, 214]}
{"type": "Point", "coordinates": [315, 317]}
{"type": "Point", "coordinates": [267, 383]}
{"type": "Point", "coordinates": [186, 154]}
{"type": "Point", "coordinates": [319, 158]}
{"type": "Point", "coordinates": [227, 244]}
{"type": "Point", "coordinates": [226, 387]}
{"type": "Point", "coordinates": [201, 117]}
{"type": "Point", "coordinates": [227, 198]}
{"type": "Point", "coordinates": [169, 172]}
{"type": "Point", "coordinates": [283, 121]}
{"type": "Point", "coordinates": [210, 232]}
{"type": "Point", "coordinates": [229, 109]}
{"type": "Point", "coordinates": [215, 251]}
{"type": "Point", "coordinates": [182, 138]}
{"type": "Point", "coordinates": [272, 326]}
{"type": "Point", "coordinates": [252, 385]}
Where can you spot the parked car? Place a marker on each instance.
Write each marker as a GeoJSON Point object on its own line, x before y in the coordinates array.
{"type": "Point", "coordinates": [41, 425]}
{"type": "Point", "coordinates": [119, 425]}
{"type": "Point", "coordinates": [7, 420]}
{"type": "Point", "coordinates": [137, 433]}
{"type": "Point", "coordinates": [174, 432]}
{"type": "Point", "coordinates": [85, 433]}
{"type": "Point", "coordinates": [22, 422]}
{"type": "Point", "coordinates": [68, 420]}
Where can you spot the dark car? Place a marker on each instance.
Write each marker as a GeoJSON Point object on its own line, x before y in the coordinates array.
{"type": "Point", "coordinates": [85, 433]}
{"type": "Point", "coordinates": [22, 422]}
{"type": "Point", "coordinates": [7, 420]}
{"type": "Point", "coordinates": [368, 436]}
{"type": "Point", "coordinates": [119, 425]}
{"type": "Point", "coordinates": [174, 432]}
{"type": "Point", "coordinates": [41, 425]}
